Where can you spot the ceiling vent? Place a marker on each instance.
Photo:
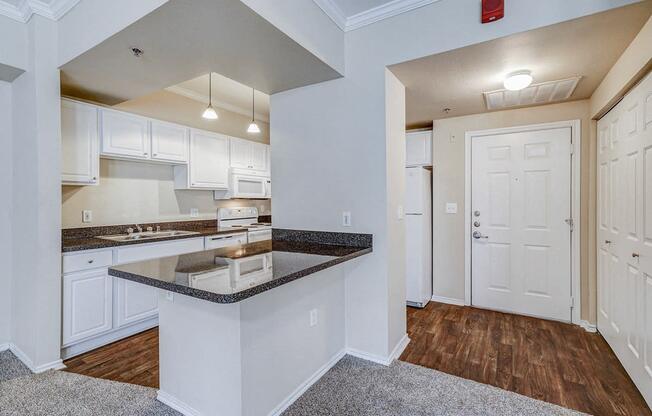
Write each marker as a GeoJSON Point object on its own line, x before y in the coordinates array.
{"type": "Point", "coordinates": [535, 94]}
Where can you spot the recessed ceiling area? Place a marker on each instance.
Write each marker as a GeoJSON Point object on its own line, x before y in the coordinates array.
{"type": "Point", "coordinates": [586, 47]}
{"type": "Point", "coordinates": [182, 40]}
{"type": "Point", "coordinates": [227, 94]}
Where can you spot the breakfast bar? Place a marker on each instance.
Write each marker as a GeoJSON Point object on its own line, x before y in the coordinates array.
{"type": "Point", "coordinates": [243, 329]}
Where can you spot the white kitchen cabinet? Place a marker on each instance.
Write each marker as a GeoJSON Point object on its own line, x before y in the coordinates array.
{"type": "Point", "coordinates": [208, 166]}
{"type": "Point", "coordinates": [249, 155]}
{"type": "Point", "coordinates": [133, 302]}
{"type": "Point", "coordinates": [87, 304]}
{"type": "Point", "coordinates": [418, 148]}
{"type": "Point", "coordinates": [124, 135]}
{"type": "Point", "coordinates": [169, 142]}
{"type": "Point", "coordinates": [80, 157]}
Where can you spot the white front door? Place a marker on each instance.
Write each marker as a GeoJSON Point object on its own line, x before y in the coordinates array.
{"type": "Point", "coordinates": [625, 233]}
{"type": "Point", "coordinates": [521, 201]}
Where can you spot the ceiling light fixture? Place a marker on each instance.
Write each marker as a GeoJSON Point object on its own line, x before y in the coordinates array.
{"type": "Point", "coordinates": [518, 80]}
{"type": "Point", "coordinates": [253, 127]}
{"type": "Point", "coordinates": [210, 112]}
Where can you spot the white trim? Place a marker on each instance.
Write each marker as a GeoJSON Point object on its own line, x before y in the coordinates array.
{"type": "Point", "coordinates": [5, 346]}
{"type": "Point", "coordinates": [27, 8]}
{"type": "Point", "coordinates": [396, 352]}
{"type": "Point", "coordinates": [367, 17]}
{"type": "Point", "coordinates": [588, 327]}
{"type": "Point", "coordinates": [298, 392]}
{"type": "Point", "coordinates": [576, 137]}
{"type": "Point", "coordinates": [176, 404]}
{"type": "Point", "coordinates": [449, 301]}
{"type": "Point", "coordinates": [54, 365]}
{"type": "Point", "coordinates": [193, 95]}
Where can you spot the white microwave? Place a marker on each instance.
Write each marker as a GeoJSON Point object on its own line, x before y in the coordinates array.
{"type": "Point", "coordinates": [248, 186]}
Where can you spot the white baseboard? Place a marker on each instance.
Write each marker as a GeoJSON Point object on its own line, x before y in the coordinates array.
{"type": "Point", "coordinates": [379, 359]}
{"type": "Point", "coordinates": [450, 301]}
{"type": "Point", "coordinates": [54, 365]}
{"type": "Point", "coordinates": [400, 347]}
{"type": "Point", "coordinates": [588, 327]}
{"type": "Point", "coordinates": [306, 384]}
{"type": "Point", "coordinates": [176, 404]}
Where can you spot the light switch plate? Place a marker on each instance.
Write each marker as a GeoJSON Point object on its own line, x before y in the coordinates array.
{"type": "Point", "coordinates": [313, 317]}
{"type": "Point", "coordinates": [346, 218]}
{"type": "Point", "coordinates": [451, 208]}
{"type": "Point", "coordinates": [87, 215]}
{"type": "Point", "coordinates": [399, 212]}
{"type": "Point", "coordinates": [194, 212]}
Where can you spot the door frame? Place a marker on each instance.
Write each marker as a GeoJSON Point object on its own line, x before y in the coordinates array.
{"type": "Point", "coordinates": [576, 137]}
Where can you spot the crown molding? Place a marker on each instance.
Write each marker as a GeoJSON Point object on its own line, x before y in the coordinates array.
{"type": "Point", "coordinates": [193, 95]}
{"type": "Point", "coordinates": [367, 17]}
{"type": "Point", "coordinates": [25, 9]}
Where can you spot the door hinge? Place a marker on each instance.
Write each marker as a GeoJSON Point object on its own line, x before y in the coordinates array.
{"type": "Point", "coordinates": [570, 223]}
{"type": "Point", "coordinates": [572, 302]}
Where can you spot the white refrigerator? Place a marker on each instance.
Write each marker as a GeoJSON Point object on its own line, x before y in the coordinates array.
{"type": "Point", "coordinates": [418, 236]}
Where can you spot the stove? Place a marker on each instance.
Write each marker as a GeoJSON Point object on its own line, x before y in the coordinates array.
{"type": "Point", "coordinates": [241, 218]}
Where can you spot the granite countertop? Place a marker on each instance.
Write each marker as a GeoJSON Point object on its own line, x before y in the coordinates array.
{"type": "Point", "coordinates": [232, 274]}
{"type": "Point", "coordinates": [87, 238]}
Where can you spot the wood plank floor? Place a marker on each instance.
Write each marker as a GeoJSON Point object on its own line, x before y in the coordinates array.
{"type": "Point", "coordinates": [550, 361]}
{"type": "Point", "coordinates": [130, 360]}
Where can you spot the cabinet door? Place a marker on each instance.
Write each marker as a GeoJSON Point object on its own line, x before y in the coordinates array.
{"type": "Point", "coordinates": [259, 157]}
{"type": "Point", "coordinates": [124, 135]}
{"type": "Point", "coordinates": [133, 302]}
{"type": "Point", "coordinates": [209, 160]}
{"type": "Point", "coordinates": [80, 157]}
{"type": "Point", "coordinates": [87, 304]}
{"type": "Point", "coordinates": [169, 142]}
{"type": "Point", "coordinates": [418, 148]}
{"type": "Point", "coordinates": [241, 153]}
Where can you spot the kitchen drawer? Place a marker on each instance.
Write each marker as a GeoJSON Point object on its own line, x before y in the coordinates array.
{"type": "Point", "coordinates": [87, 260]}
{"type": "Point", "coordinates": [157, 250]}
{"type": "Point", "coordinates": [224, 240]}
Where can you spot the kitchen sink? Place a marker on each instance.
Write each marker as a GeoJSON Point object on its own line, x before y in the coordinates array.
{"type": "Point", "coordinates": [147, 235]}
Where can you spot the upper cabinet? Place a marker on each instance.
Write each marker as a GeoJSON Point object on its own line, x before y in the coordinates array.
{"type": "Point", "coordinates": [418, 148]}
{"type": "Point", "coordinates": [124, 135]}
{"type": "Point", "coordinates": [208, 167]}
{"type": "Point", "coordinates": [169, 142]}
{"type": "Point", "coordinates": [249, 155]}
{"type": "Point", "coordinates": [80, 157]}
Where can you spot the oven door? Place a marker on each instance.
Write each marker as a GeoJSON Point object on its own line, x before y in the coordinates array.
{"type": "Point", "coordinates": [244, 186]}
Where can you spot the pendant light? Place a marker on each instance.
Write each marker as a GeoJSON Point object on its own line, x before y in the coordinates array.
{"type": "Point", "coordinates": [210, 112]}
{"type": "Point", "coordinates": [253, 127]}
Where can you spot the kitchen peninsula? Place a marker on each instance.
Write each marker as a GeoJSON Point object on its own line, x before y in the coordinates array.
{"type": "Point", "coordinates": [245, 329]}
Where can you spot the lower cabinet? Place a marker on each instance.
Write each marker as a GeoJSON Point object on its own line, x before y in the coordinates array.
{"type": "Point", "coordinates": [133, 302]}
{"type": "Point", "coordinates": [88, 304]}
{"type": "Point", "coordinates": [99, 309]}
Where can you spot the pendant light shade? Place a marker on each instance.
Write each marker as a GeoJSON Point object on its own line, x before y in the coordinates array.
{"type": "Point", "coordinates": [210, 112]}
{"type": "Point", "coordinates": [253, 127]}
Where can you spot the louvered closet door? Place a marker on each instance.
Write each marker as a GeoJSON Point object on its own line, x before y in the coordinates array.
{"type": "Point", "coordinates": [625, 233]}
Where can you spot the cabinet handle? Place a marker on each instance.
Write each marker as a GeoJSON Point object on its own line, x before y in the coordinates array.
{"type": "Point", "coordinates": [90, 261]}
{"type": "Point", "coordinates": [636, 255]}
{"type": "Point", "coordinates": [145, 154]}
{"type": "Point", "coordinates": [94, 178]}
{"type": "Point", "coordinates": [607, 241]}
{"type": "Point", "coordinates": [154, 154]}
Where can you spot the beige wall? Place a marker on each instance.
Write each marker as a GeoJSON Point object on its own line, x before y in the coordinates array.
{"type": "Point", "coordinates": [164, 105]}
{"type": "Point", "coordinates": [632, 65]}
{"type": "Point", "coordinates": [134, 192]}
{"type": "Point", "coordinates": [448, 183]}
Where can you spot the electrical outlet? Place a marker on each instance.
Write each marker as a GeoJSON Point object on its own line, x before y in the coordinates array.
{"type": "Point", "coordinates": [87, 215]}
{"type": "Point", "coordinates": [194, 212]}
{"type": "Point", "coordinates": [169, 296]}
{"type": "Point", "coordinates": [399, 212]}
{"type": "Point", "coordinates": [346, 218]}
{"type": "Point", "coordinates": [313, 317]}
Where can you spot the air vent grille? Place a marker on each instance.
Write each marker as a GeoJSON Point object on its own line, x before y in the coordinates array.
{"type": "Point", "coordinates": [543, 93]}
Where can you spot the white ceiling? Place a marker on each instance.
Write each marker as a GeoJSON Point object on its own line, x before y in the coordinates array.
{"type": "Point", "coordinates": [22, 10]}
{"type": "Point", "coordinates": [586, 47]}
{"type": "Point", "coordinates": [182, 40]}
{"type": "Point", "coordinates": [227, 94]}
{"type": "Point", "coordinates": [354, 14]}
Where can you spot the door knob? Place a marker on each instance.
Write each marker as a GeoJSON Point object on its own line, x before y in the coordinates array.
{"type": "Point", "coordinates": [636, 255]}
{"type": "Point", "coordinates": [478, 235]}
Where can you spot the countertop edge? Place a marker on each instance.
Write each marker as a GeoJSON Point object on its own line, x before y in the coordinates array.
{"type": "Point", "coordinates": [240, 296]}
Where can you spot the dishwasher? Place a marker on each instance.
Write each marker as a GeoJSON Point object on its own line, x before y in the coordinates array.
{"type": "Point", "coordinates": [225, 240]}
